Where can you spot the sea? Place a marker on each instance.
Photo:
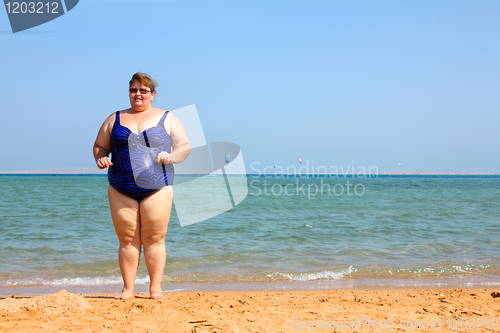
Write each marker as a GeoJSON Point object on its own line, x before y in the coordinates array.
{"type": "Point", "coordinates": [289, 232]}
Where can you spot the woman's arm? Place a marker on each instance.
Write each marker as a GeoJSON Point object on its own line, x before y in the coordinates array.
{"type": "Point", "coordinates": [181, 146]}
{"type": "Point", "coordinates": [102, 144]}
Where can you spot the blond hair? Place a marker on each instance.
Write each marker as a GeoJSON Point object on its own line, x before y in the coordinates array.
{"type": "Point", "coordinates": [145, 80]}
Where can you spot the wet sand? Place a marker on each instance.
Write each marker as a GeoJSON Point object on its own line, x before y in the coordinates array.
{"type": "Point", "coordinates": [410, 310]}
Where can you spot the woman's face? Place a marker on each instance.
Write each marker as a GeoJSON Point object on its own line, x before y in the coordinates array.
{"type": "Point", "coordinates": [138, 100]}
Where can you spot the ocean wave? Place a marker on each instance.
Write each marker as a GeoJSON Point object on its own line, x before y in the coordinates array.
{"type": "Point", "coordinates": [447, 268]}
{"type": "Point", "coordinates": [322, 275]}
{"type": "Point", "coordinates": [450, 271]}
{"type": "Point", "coordinates": [79, 281]}
{"type": "Point", "coordinates": [440, 273]}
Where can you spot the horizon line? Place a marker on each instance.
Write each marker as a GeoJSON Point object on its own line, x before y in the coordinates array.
{"type": "Point", "coordinates": [94, 171]}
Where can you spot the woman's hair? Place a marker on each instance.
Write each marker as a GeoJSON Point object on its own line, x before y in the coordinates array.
{"type": "Point", "coordinates": [145, 80]}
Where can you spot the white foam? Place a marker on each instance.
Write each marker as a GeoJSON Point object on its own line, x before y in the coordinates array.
{"type": "Point", "coordinates": [323, 275]}
{"type": "Point", "coordinates": [79, 281]}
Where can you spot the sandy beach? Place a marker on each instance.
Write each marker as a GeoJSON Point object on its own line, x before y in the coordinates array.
{"type": "Point", "coordinates": [422, 310]}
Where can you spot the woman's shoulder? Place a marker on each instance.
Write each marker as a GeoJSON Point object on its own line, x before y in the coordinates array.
{"type": "Point", "coordinates": [171, 119]}
{"type": "Point", "coordinates": [110, 121]}
{"type": "Point", "coordinates": [113, 115]}
{"type": "Point", "coordinates": [124, 111]}
{"type": "Point", "coordinates": [169, 116]}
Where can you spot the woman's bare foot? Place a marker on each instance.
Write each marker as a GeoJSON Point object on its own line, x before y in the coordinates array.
{"type": "Point", "coordinates": [156, 294]}
{"type": "Point", "coordinates": [126, 294]}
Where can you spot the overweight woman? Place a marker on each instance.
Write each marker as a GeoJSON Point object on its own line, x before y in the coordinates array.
{"type": "Point", "coordinates": [144, 143]}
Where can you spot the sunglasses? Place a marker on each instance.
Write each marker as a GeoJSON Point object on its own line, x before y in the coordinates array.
{"type": "Point", "coordinates": [141, 90]}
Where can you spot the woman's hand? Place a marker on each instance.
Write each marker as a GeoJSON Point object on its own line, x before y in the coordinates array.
{"type": "Point", "coordinates": [164, 158]}
{"type": "Point", "coordinates": [104, 162]}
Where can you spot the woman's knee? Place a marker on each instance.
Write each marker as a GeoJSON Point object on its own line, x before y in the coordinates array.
{"type": "Point", "coordinates": [152, 238]}
{"type": "Point", "coordinates": [130, 241]}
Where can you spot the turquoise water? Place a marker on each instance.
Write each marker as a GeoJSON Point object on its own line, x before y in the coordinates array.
{"type": "Point", "coordinates": [56, 231]}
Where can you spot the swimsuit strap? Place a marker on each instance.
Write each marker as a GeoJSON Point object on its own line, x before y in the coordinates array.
{"type": "Point", "coordinates": [162, 120]}
{"type": "Point", "coordinates": [117, 117]}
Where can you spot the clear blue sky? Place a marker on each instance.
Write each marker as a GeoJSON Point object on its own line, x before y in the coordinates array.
{"type": "Point", "coordinates": [374, 82]}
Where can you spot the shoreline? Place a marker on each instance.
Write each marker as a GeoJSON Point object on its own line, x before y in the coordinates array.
{"type": "Point", "coordinates": [20, 290]}
{"type": "Point", "coordinates": [422, 310]}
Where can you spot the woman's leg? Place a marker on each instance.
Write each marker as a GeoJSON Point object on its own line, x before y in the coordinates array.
{"type": "Point", "coordinates": [125, 215]}
{"type": "Point", "coordinates": [155, 214]}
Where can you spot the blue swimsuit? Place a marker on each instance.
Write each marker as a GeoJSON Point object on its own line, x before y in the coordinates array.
{"type": "Point", "coordinates": [135, 172]}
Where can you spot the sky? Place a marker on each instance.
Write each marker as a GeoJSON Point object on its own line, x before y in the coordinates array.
{"type": "Point", "coordinates": [337, 83]}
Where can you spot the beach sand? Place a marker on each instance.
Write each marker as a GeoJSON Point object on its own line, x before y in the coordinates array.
{"type": "Point", "coordinates": [258, 311]}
